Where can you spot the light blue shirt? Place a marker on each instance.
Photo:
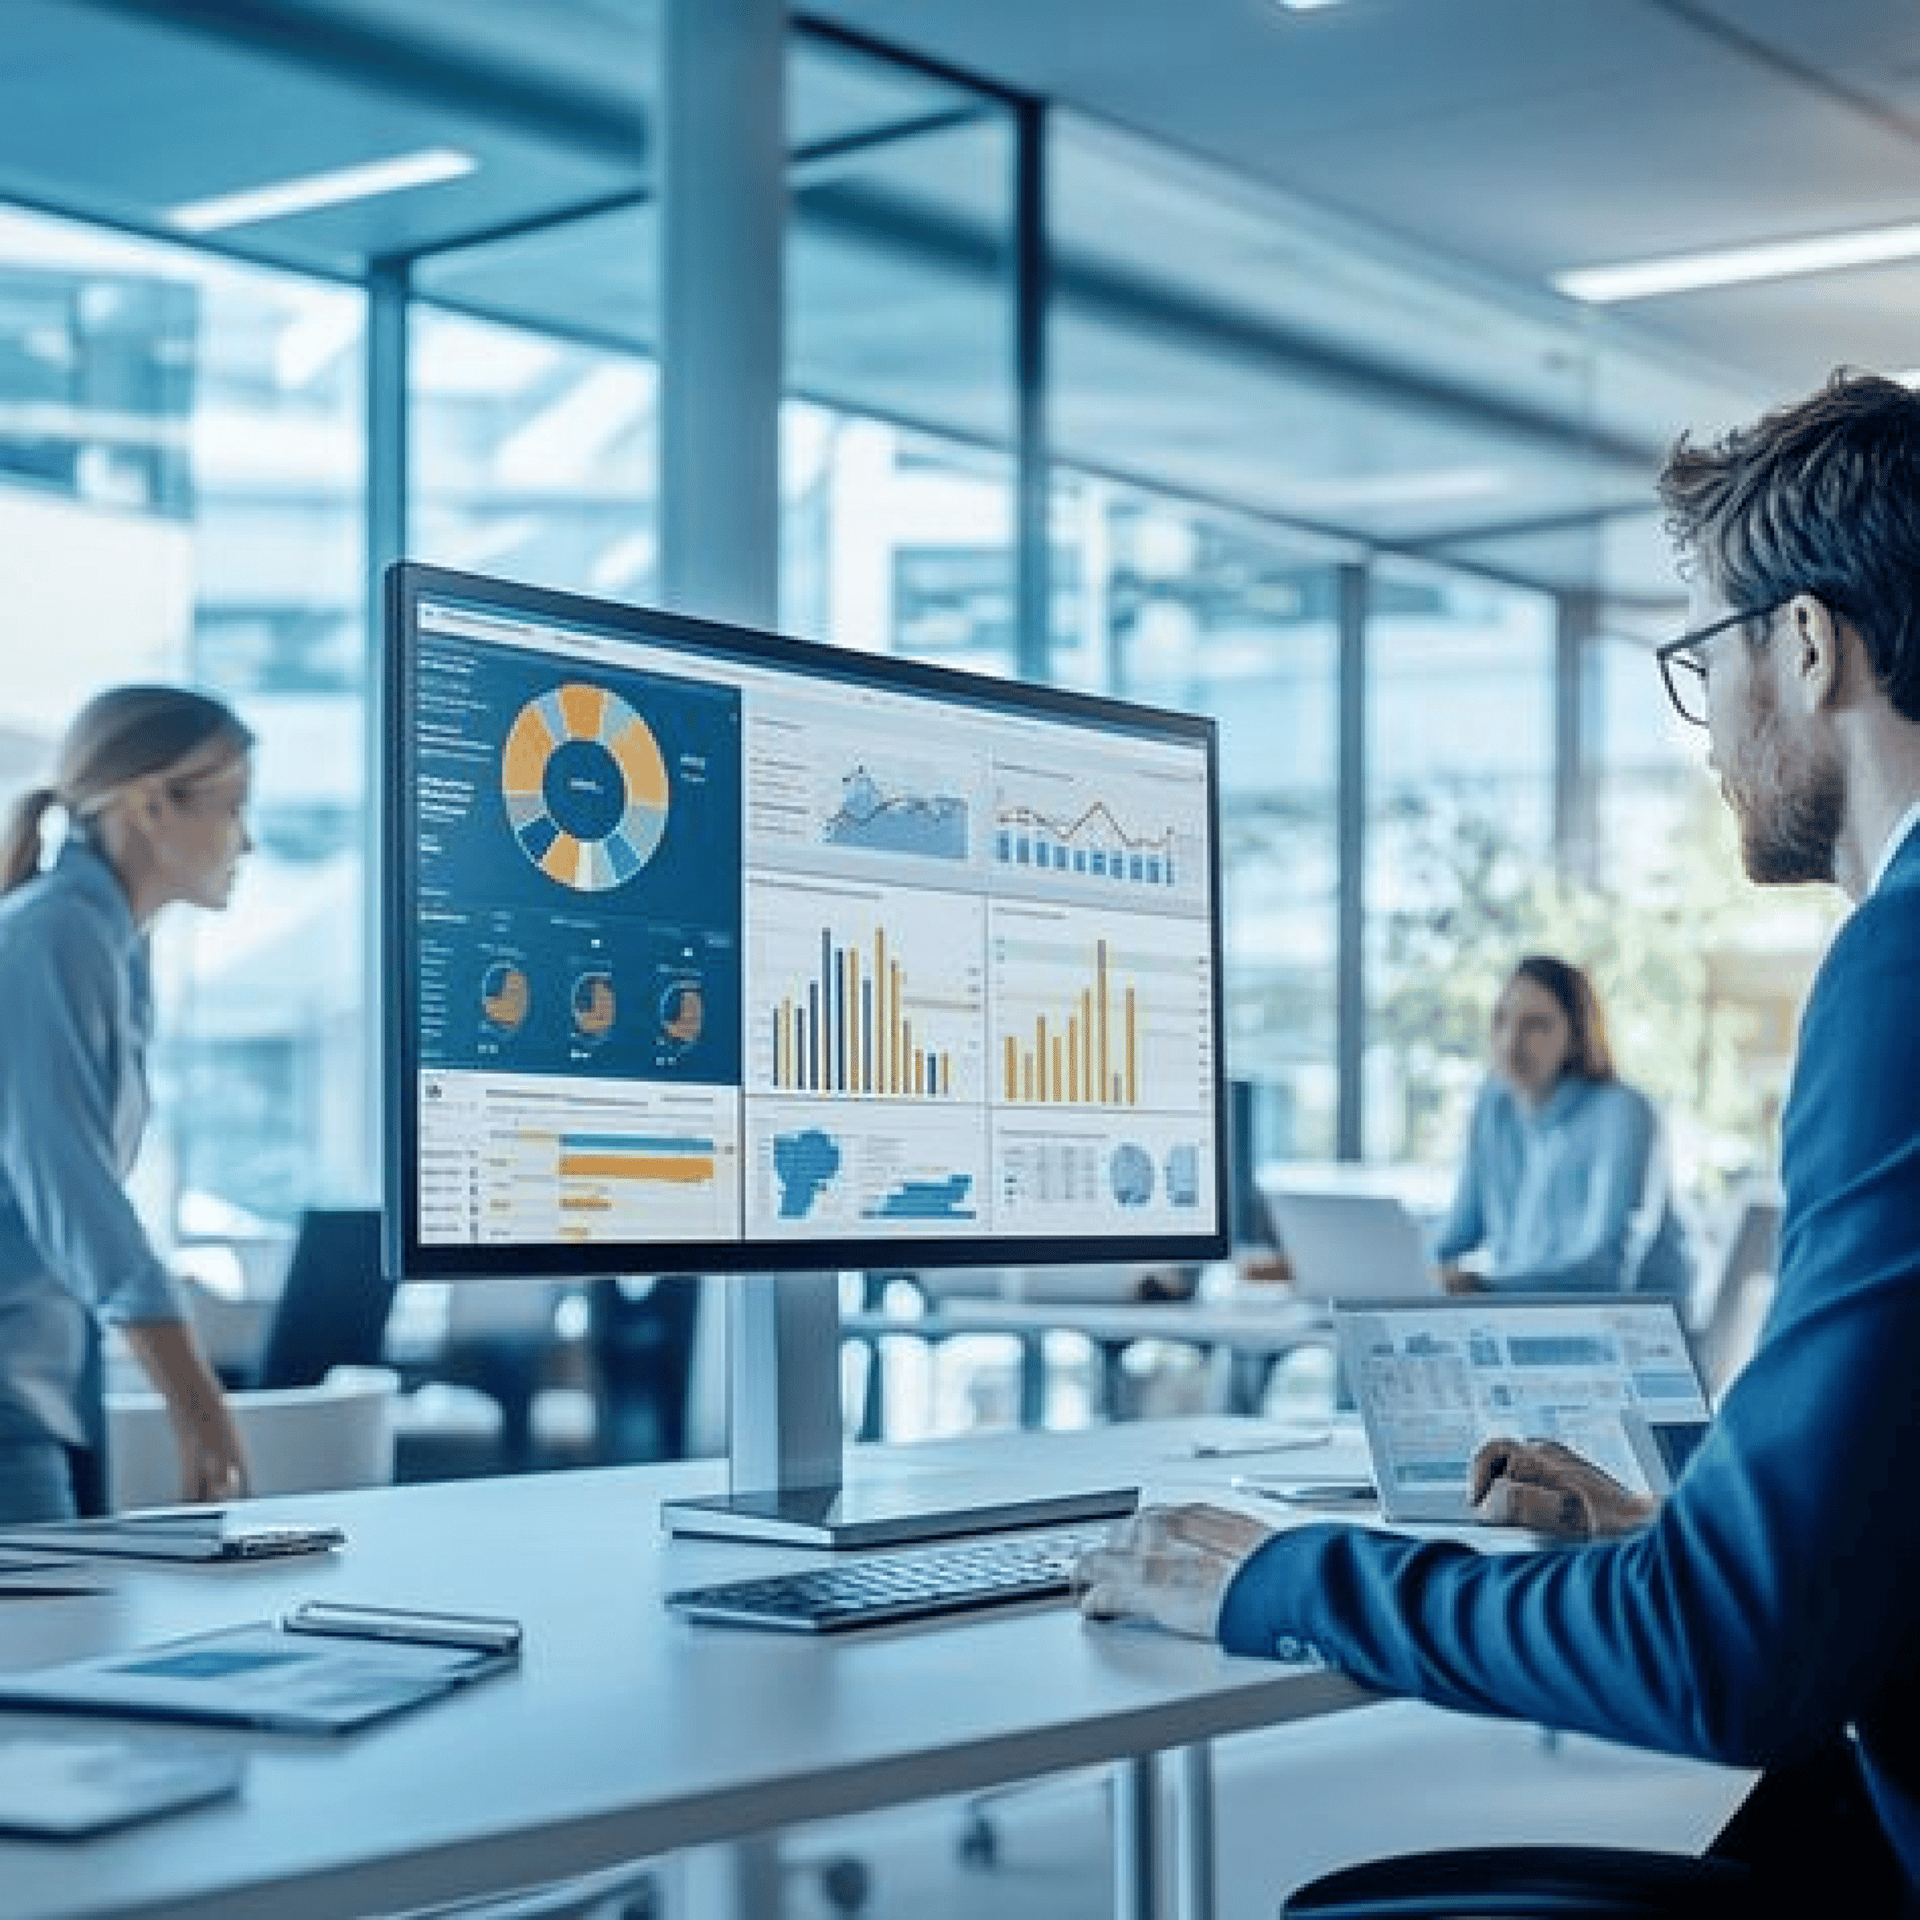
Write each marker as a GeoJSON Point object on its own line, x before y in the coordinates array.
{"type": "Point", "coordinates": [1570, 1198]}
{"type": "Point", "coordinates": [78, 1001]}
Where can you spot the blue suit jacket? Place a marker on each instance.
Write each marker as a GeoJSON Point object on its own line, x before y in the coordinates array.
{"type": "Point", "coordinates": [1776, 1598]}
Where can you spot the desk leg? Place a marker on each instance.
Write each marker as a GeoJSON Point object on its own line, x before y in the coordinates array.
{"type": "Point", "coordinates": [739, 1880]}
{"type": "Point", "coordinates": [1033, 1381]}
{"type": "Point", "coordinates": [1136, 1835]}
{"type": "Point", "coordinates": [1194, 1890]}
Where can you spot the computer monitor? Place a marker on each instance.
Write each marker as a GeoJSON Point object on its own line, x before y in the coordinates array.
{"type": "Point", "coordinates": [714, 951]}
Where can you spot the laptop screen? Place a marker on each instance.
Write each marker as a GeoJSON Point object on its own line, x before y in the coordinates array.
{"type": "Point", "coordinates": [1610, 1376]}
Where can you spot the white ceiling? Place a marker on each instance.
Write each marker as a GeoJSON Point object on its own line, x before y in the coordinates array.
{"type": "Point", "coordinates": [1324, 292]}
{"type": "Point", "coordinates": [1521, 137]}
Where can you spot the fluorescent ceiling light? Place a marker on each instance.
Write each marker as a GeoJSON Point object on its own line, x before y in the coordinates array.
{"type": "Point", "coordinates": [1441, 487]}
{"type": "Point", "coordinates": [1735, 266]}
{"type": "Point", "coordinates": [1306, 6]}
{"type": "Point", "coordinates": [282, 197]}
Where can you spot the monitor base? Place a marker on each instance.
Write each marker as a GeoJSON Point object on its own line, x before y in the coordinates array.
{"type": "Point", "coordinates": [887, 1513]}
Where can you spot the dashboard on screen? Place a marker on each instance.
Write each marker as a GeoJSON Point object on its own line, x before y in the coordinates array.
{"type": "Point", "coordinates": [711, 949]}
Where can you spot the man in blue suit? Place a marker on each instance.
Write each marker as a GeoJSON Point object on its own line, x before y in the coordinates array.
{"type": "Point", "coordinates": [1767, 1614]}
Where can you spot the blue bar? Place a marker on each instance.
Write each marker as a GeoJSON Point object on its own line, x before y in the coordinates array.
{"type": "Point", "coordinates": [632, 1143]}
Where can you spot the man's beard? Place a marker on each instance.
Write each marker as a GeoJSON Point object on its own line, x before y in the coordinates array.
{"type": "Point", "coordinates": [1790, 835]}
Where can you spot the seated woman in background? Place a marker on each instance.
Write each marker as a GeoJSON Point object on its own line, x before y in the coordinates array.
{"type": "Point", "coordinates": [153, 785]}
{"type": "Point", "coordinates": [1564, 1187]}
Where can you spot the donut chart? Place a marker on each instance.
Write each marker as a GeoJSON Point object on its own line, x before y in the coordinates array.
{"type": "Point", "coordinates": [585, 787]}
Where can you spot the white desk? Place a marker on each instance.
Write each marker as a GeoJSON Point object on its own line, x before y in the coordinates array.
{"type": "Point", "coordinates": [628, 1733]}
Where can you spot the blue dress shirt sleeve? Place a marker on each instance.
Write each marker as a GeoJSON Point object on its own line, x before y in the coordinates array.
{"type": "Point", "coordinates": [65, 992]}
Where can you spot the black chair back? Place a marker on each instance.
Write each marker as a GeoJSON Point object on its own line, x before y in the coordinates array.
{"type": "Point", "coordinates": [333, 1308]}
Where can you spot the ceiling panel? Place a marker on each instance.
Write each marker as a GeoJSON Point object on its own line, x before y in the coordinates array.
{"type": "Point", "coordinates": [126, 116]}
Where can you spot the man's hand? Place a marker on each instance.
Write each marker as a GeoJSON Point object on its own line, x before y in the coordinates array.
{"type": "Point", "coordinates": [1549, 1488]}
{"type": "Point", "coordinates": [1168, 1567]}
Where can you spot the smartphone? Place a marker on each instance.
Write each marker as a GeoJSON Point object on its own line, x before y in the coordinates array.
{"type": "Point", "coordinates": [484, 1633]}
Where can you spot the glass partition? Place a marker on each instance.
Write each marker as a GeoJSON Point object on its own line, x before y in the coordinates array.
{"type": "Point", "coordinates": [180, 483]}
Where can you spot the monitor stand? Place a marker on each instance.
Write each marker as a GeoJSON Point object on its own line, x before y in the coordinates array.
{"type": "Point", "coordinates": [789, 1481]}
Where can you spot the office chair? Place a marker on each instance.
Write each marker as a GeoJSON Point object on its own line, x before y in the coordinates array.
{"type": "Point", "coordinates": [1532, 1883]}
{"type": "Point", "coordinates": [306, 1439]}
{"type": "Point", "coordinates": [1727, 1311]}
{"type": "Point", "coordinates": [333, 1306]}
{"type": "Point", "coordinates": [1805, 1827]}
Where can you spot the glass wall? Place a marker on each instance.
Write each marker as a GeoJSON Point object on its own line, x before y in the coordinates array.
{"type": "Point", "coordinates": [180, 488]}
{"type": "Point", "coordinates": [1459, 823]}
{"type": "Point", "coordinates": [1189, 607]}
{"type": "Point", "coordinates": [531, 456]}
{"type": "Point", "coordinates": [897, 467]}
{"type": "Point", "coordinates": [1241, 402]}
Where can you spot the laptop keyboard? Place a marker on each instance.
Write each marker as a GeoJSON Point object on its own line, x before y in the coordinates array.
{"type": "Point", "coordinates": [952, 1577]}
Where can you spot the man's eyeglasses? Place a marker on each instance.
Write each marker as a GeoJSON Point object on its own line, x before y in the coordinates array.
{"type": "Point", "coordinates": [1684, 670]}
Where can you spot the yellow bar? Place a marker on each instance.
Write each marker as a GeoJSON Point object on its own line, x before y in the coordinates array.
{"type": "Point", "coordinates": [1133, 1056]}
{"type": "Point", "coordinates": [883, 1011]}
{"type": "Point", "coordinates": [1073, 1058]}
{"type": "Point", "coordinates": [681, 1168]}
{"type": "Point", "coordinates": [896, 1029]}
{"type": "Point", "coordinates": [1059, 1078]}
{"type": "Point", "coordinates": [1086, 1044]}
{"type": "Point", "coordinates": [856, 1065]}
{"type": "Point", "coordinates": [1040, 1055]}
{"type": "Point", "coordinates": [1100, 997]}
{"type": "Point", "coordinates": [1027, 1065]}
{"type": "Point", "coordinates": [1013, 1069]}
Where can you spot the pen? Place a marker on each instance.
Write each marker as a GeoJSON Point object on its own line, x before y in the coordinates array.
{"type": "Point", "coordinates": [1309, 1493]}
{"type": "Point", "coordinates": [1276, 1443]}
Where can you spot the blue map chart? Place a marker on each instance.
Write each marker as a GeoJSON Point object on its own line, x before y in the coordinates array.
{"type": "Point", "coordinates": [942, 1199]}
{"type": "Point", "coordinates": [805, 1164]}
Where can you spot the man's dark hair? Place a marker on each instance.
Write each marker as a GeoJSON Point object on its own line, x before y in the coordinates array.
{"type": "Point", "coordinates": [1822, 497]}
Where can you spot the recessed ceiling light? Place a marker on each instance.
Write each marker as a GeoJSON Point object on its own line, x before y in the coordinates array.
{"type": "Point", "coordinates": [1736, 266]}
{"type": "Point", "coordinates": [1305, 6]}
{"type": "Point", "coordinates": [312, 190]}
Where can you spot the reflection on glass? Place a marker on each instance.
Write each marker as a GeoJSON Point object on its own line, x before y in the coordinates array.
{"type": "Point", "coordinates": [1194, 608]}
{"type": "Point", "coordinates": [1460, 743]}
{"type": "Point", "coordinates": [180, 499]}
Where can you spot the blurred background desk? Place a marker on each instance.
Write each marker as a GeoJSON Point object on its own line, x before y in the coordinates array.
{"type": "Point", "coordinates": [1223, 1329]}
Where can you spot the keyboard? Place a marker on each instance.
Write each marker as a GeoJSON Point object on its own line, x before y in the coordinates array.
{"type": "Point", "coordinates": [877, 1589]}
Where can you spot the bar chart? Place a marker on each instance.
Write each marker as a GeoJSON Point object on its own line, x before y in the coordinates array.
{"type": "Point", "coordinates": [1088, 1056]}
{"type": "Point", "coordinates": [858, 999]}
{"type": "Point", "coordinates": [1092, 842]}
{"type": "Point", "coordinates": [1099, 1010]}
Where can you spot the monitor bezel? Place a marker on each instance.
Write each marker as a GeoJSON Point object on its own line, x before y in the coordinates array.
{"type": "Point", "coordinates": [407, 583]}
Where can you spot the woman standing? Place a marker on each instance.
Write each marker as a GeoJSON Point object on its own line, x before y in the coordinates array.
{"type": "Point", "coordinates": [1564, 1187]}
{"type": "Point", "coordinates": [154, 784]}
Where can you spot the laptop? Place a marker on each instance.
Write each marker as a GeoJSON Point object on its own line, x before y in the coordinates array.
{"type": "Point", "coordinates": [1352, 1246]}
{"type": "Point", "coordinates": [1610, 1375]}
